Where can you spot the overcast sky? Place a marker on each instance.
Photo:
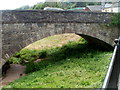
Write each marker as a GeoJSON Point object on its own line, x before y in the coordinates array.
{"type": "Point", "coordinates": [13, 4]}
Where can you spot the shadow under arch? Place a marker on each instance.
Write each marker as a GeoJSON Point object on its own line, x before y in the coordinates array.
{"type": "Point", "coordinates": [96, 42]}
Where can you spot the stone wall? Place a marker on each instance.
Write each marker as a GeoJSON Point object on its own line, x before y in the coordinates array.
{"type": "Point", "coordinates": [21, 28]}
{"type": "Point", "coordinates": [17, 36]}
{"type": "Point", "coordinates": [37, 16]}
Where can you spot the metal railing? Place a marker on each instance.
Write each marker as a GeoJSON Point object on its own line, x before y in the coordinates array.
{"type": "Point", "coordinates": [112, 77]}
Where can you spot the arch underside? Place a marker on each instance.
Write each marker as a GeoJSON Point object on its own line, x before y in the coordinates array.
{"type": "Point", "coordinates": [96, 42]}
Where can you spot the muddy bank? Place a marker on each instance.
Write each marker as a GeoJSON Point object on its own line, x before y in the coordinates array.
{"type": "Point", "coordinates": [14, 72]}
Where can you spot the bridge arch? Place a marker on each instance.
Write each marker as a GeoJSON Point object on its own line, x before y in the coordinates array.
{"type": "Point", "coordinates": [34, 32]}
{"type": "Point", "coordinates": [21, 28]}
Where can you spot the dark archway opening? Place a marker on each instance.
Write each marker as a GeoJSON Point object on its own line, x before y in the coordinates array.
{"type": "Point", "coordinates": [97, 43]}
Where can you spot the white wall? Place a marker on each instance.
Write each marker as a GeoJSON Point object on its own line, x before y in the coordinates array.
{"type": "Point", "coordinates": [114, 9]}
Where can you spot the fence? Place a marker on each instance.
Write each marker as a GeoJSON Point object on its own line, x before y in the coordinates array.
{"type": "Point", "coordinates": [112, 77]}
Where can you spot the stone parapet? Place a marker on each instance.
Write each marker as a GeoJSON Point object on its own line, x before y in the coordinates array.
{"type": "Point", "coordinates": [40, 16]}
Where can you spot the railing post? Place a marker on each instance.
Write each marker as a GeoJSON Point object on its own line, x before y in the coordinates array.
{"type": "Point", "coordinates": [112, 77]}
{"type": "Point", "coordinates": [119, 63]}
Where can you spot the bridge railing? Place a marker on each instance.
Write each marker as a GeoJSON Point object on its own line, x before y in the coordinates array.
{"type": "Point", "coordinates": [112, 77]}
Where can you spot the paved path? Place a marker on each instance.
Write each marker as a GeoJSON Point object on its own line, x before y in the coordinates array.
{"type": "Point", "coordinates": [15, 72]}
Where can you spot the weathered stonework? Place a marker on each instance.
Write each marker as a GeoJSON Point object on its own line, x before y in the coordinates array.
{"type": "Point", "coordinates": [21, 28]}
{"type": "Point", "coordinates": [0, 44]}
{"type": "Point", "coordinates": [37, 16]}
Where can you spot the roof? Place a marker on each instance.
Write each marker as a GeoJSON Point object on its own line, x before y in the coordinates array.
{"type": "Point", "coordinates": [112, 5]}
{"type": "Point", "coordinates": [78, 8]}
{"type": "Point", "coordinates": [53, 9]}
{"type": "Point", "coordinates": [116, 5]}
{"type": "Point", "coordinates": [108, 5]}
{"type": "Point", "coordinates": [95, 7]}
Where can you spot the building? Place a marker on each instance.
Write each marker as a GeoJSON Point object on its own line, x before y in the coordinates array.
{"type": "Point", "coordinates": [115, 7]}
{"type": "Point", "coordinates": [77, 9]}
{"type": "Point", "coordinates": [94, 8]}
{"type": "Point", "coordinates": [53, 9]}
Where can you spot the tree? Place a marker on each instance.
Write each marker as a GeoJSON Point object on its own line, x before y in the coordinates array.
{"type": "Point", "coordinates": [93, 3]}
{"type": "Point", "coordinates": [38, 6]}
{"type": "Point", "coordinates": [116, 19]}
{"type": "Point", "coordinates": [63, 5]}
{"type": "Point", "coordinates": [80, 4]}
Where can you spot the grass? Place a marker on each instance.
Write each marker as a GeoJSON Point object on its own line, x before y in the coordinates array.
{"type": "Point", "coordinates": [53, 41]}
{"type": "Point", "coordinates": [40, 48]}
{"type": "Point", "coordinates": [69, 73]}
{"type": "Point", "coordinates": [74, 65]}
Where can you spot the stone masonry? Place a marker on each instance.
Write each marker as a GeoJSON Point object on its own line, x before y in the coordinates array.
{"type": "Point", "coordinates": [21, 28]}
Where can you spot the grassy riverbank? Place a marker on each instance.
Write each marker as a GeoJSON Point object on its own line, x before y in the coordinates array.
{"type": "Point", "coordinates": [74, 65]}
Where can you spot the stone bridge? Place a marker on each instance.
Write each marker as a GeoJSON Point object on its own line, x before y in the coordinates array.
{"type": "Point", "coordinates": [21, 28]}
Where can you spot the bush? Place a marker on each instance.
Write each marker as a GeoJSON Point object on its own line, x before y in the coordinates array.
{"type": "Point", "coordinates": [116, 19]}
{"type": "Point", "coordinates": [27, 56]}
{"type": "Point", "coordinates": [32, 67]}
{"type": "Point", "coordinates": [43, 54]}
{"type": "Point", "coordinates": [15, 60]}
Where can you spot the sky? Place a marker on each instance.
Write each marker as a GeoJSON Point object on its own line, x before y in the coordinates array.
{"type": "Point", "coordinates": [13, 4]}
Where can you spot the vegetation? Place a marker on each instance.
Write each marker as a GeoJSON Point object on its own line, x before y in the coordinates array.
{"type": "Point", "coordinates": [83, 4]}
{"type": "Point", "coordinates": [116, 20]}
{"type": "Point", "coordinates": [53, 41]}
{"type": "Point", "coordinates": [39, 49]}
{"type": "Point", "coordinates": [63, 5]}
{"type": "Point", "coordinates": [74, 65]}
{"type": "Point", "coordinates": [26, 7]}
{"type": "Point", "coordinates": [26, 55]}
